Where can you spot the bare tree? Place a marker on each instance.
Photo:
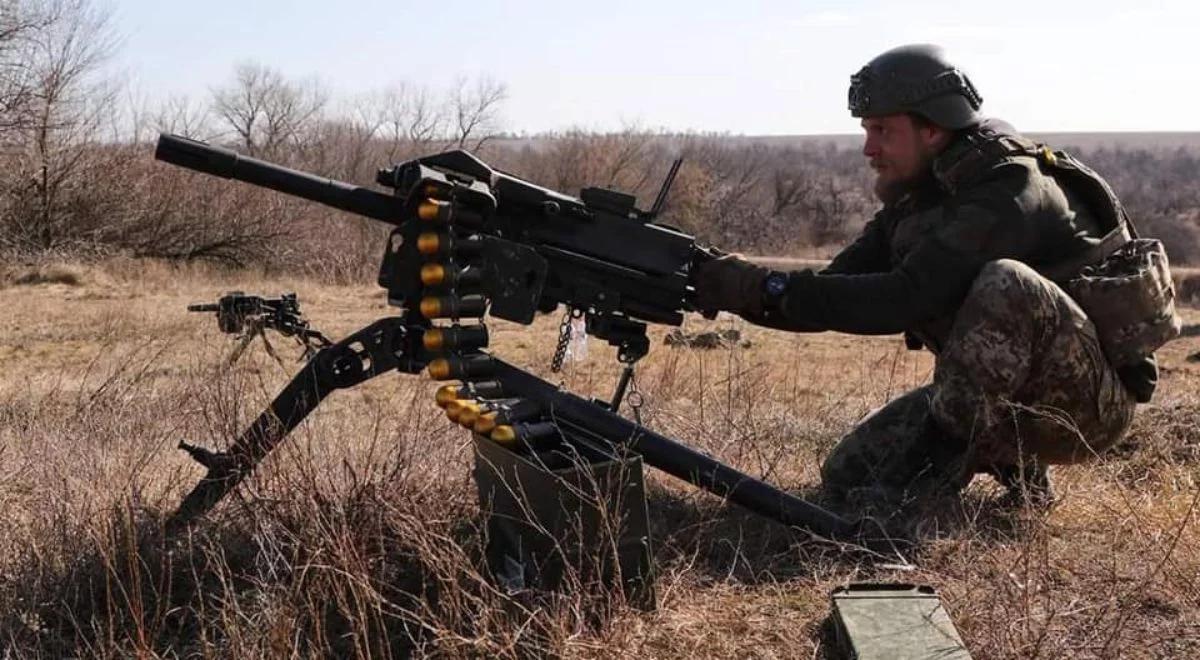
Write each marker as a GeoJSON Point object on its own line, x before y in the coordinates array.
{"type": "Point", "coordinates": [475, 109]}
{"type": "Point", "coordinates": [20, 22]}
{"type": "Point", "coordinates": [406, 120]}
{"type": "Point", "coordinates": [791, 189]}
{"type": "Point", "coordinates": [69, 100]}
{"type": "Point", "coordinates": [184, 116]}
{"type": "Point", "coordinates": [266, 111]}
{"type": "Point", "coordinates": [412, 119]}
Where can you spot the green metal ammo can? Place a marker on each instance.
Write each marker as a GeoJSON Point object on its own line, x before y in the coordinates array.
{"type": "Point", "coordinates": [894, 622]}
{"type": "Point", "coordinates": [569, 516]}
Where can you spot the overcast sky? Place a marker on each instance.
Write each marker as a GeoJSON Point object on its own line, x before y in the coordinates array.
{"type": "Point", "coordinates": [740, 67]}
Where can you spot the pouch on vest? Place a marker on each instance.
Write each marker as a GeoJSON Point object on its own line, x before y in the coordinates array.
{"type": "Point", "coordinates": [1124, 283]}
{"type": "Point", "coordinates": [1130, 298]}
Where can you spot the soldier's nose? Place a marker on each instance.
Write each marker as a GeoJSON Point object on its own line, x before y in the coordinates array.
{"type": "Point", "coordinates": [870, 148]}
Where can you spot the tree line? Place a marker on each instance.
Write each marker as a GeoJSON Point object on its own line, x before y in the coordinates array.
{"type": "Point", "coordinates": [77, 175]}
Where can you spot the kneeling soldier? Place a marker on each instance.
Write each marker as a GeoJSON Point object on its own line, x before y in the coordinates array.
{"type": "Point", "coordinates": [1014, 264]}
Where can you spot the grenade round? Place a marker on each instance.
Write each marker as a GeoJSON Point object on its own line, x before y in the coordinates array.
{"type": "Point", "coordinates": [486, 422]}
{"type": "Point", "coordinates": [453, 307]}
{"type": "Point", "coordinates": [434, 244]}
{"type": "Point", "coordinates": [483, 389]}
{"type": "Point", "coordinates": [435, 211]}
{"type": "Point", "coordinates": [455, 338]}
{"type": "Point", "coordinates": [506, 414]}
{"type": "Point", "coordinates": [441, 212]}
{"type": "Point", "coordinates": [488, 408]}
{"type": "Point", "coordinates": [446, 276]}
{"type": "Point", "coordinates": [448, 394]}
{"type": "Point", "coordinates": [461, 368]}
{"type": "Point", "coordinates": [435, 275]}
{"type": "Point", "coordinates": [534, 435]}
{"type": "Point", "coordinates": [468, 415]}
{"type": "Point", "coordinates": [458, 408]}
{"type": "Point", "coordinates": [430, 243]}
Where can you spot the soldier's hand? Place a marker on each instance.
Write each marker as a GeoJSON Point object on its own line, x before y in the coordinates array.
{"type": "Point", "coordinates": [729, 283]}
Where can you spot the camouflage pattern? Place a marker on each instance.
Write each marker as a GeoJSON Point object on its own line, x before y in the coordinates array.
{"type": "Point", "coordinates": [1131, 299]}
{"type": "Point", "coordinates": [1021, 380]}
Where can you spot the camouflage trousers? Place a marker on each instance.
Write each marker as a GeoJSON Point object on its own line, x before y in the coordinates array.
{"type": "Point", "coordinates": [1020, 381]}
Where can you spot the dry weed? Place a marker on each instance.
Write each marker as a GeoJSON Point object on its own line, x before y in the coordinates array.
{"type": "Point", "coordinates": [361, 536]}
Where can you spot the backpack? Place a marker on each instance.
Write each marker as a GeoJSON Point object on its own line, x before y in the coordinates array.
{"type": "Point", "coordinates": [1123, 282]}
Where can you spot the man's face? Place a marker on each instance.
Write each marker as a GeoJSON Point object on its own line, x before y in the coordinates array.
{"type": "Point", "coordinates": [900, 151]}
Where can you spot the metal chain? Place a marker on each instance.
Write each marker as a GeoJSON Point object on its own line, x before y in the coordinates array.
{"type": "Point", "coordinates": [564, 340]}
{"type": "Point", "coordinates": [635, 400]}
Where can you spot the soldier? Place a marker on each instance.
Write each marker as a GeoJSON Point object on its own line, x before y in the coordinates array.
{"type": "Point", "coordinates": [977, 226]}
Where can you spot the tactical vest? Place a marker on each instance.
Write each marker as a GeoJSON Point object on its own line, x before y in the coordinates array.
{"type": "Point", "coordinates": [1122, 282]}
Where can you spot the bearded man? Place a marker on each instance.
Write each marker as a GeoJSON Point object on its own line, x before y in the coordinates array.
{"type": "Point", "coordinates": [979, 227]}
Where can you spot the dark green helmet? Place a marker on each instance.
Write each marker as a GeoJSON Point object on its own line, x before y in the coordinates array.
{"type": "Point", "coordinates": [915, 79]}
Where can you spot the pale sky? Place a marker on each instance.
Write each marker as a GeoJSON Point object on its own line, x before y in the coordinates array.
{"type": "Point", "coordinates": [754, 68]}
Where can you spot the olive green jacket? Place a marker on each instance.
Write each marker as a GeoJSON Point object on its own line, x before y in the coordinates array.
{"type": "Point", "coordinates": [912, 266]}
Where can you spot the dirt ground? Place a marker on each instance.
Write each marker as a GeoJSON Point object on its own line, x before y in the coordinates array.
{"type": "Point", "coordinates": [360, 536]}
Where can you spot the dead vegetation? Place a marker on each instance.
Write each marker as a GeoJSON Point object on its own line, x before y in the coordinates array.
{"type": "Point", "coordinates": [362, 537]}
{"type": "Point", "coordinates": [77, 176]}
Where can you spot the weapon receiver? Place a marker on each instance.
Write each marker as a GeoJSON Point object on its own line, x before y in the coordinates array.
{"type": "Point", "coordinates": [470, 241]}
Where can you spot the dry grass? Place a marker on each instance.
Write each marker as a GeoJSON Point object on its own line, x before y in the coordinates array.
{"type": "Point", "coordinates": [361, 536]}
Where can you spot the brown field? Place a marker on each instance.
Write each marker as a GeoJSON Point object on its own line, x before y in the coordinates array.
{"type": "Point", "coordinates": [360, 536]}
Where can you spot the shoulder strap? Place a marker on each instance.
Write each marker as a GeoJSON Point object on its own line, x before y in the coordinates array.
{"type": "Point", "coordinates": [974, 152]}
{"type": "Point", "coordinates": [1100, 199]}
{"type": "Point", "coordinates": [1094, 190]}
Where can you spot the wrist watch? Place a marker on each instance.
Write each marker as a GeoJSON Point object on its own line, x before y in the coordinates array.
{"type": "Point", "coordinates": [774, 285]}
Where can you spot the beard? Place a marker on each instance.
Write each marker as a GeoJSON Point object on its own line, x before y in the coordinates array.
{"type": "Point", "coordinates": [891, 190]}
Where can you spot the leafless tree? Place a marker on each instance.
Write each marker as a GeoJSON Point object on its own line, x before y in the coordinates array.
{"type": "Point", "coordinates": [184, 116]}
{"type": "Point", "coordinates": [69, 100]}
{"type": "Point", "coordinates": [20, 22]}
{"type": "Point", "coordinates": [404, 119]}
{"type": "Point", "coordinates": [475, 109]}
{"type": "Point", "coordinates": [791, 190]}
{"type": "Point", "coordinates": [266, 111]}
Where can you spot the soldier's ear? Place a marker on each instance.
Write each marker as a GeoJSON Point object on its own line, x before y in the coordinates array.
{"type": "Point", "coordinates": [934, 136]}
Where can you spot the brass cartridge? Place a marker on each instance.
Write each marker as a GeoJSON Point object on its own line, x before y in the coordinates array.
{"type": "Point", "coordinates": [453, 307]}
{"type": "Point", "coordinates": [533, 435]}
{"type": "Point", "coordinates": [434, 244]}
{"type": "Point", "coordinates": [461, 368]}
{"type": "Point", "coordinates": [455, 410]}
{"type": "Point", "coordinates": [447, 276]}
{"type": "Point", "coordinates": [455, 338]}
{"type": "Point", "coordinates": [432, 210]}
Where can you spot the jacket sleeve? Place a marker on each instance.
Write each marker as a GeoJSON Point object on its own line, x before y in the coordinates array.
{"type": "Point", "coordinates": [985, 223]}
{"type": "Point", "coordinates": [868, 253]}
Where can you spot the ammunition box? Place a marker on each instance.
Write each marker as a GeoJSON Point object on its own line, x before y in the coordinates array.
{"type": "Point", "coordinates": [894, 622]}
{"type": "Point", "coordinates": [557, 520]}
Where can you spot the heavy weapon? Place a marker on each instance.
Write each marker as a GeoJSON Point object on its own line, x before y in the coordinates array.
{"type": "Point", "coordinates": [250, 316]}
{"type": "Point", "coordinates": [469, 241]}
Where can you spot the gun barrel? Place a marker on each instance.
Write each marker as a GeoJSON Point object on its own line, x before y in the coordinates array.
{"type": "Point", "coordinates": [205, 307]}
{"type": "Point", "coordinates": [203, 157]}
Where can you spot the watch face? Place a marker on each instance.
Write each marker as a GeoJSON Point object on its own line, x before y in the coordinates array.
{"type": "Point", "coordinates": [776, 283]}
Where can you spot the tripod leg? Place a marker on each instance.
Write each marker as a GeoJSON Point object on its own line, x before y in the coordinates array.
{"type": "Point", "coordinates": [243, 342]}
{"type": "Point", "coordinates": [357, 358]}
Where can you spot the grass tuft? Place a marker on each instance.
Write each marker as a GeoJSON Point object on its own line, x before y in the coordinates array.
{"type": "Point", "coordinates": [361, 536]}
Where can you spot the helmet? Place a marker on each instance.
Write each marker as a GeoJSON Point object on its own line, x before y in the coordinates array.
{"type": "Point", "coordinates": [915, 79]}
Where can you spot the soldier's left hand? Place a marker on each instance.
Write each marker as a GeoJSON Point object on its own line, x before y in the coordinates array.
{"type": "Point", "coordinates": [729, 283]}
